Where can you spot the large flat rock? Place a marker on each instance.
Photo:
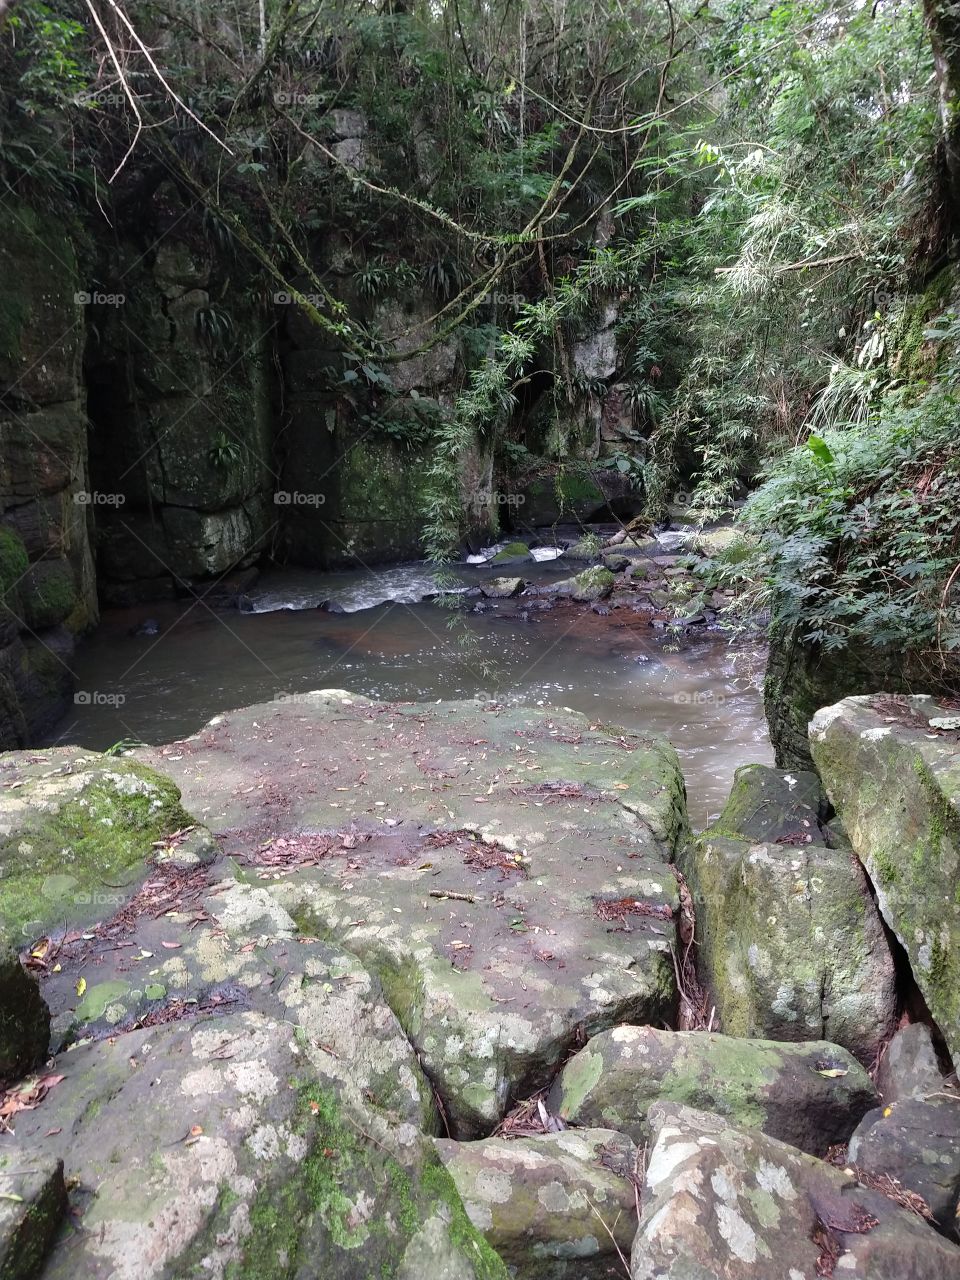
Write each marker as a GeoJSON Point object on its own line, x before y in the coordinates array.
{"type": "Point", "coordinates": [503, 871]}
{"type": "Point", "coordinates": [894, 777]}
{"type": "Point", "coordinates": [241, 1102]}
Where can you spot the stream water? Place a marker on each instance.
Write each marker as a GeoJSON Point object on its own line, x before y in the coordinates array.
{"type": "Point", "coordinates": [153, 688]}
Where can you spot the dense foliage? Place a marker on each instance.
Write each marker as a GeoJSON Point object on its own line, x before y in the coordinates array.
{"type": "Point", "coordinates": [759, 195]}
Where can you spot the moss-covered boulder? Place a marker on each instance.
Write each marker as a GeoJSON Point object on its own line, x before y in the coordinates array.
{"type": "Point", "coordinates": [33, 1204]}
{"type": "Point", "coordinates": [48, 593]}
{"type": "Point", "coordinates": [791, 945]}
{"type": "Point", "coordinates": [773, 804]}
{"type": "Point", "coordinates": [24, 1017]}
{"type": "Point", "coordinates": [555, 1206]}
{"type": "Point", "coordinates": [246, 1163]}
{"type": "Point", "coordinates": [592, 584]}
{"type": "Point", "coordinates": [503, 871]}
{"type": "Point", "coordinates": [511, 553]}
{"type": "Point", "coordinates": [809, 1095]}
{"type": "Point", "coordinates": [893, 773]}
{"type": "Point", "coordinates": [722, 1201]}
{"type": "Point", "coordinates": [73, 826]}
{"type": "Point", "coordinates": [916, 1142]}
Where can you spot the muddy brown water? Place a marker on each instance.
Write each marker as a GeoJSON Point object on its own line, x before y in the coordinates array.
{"type": "Point", "coordinates": [704, 696]}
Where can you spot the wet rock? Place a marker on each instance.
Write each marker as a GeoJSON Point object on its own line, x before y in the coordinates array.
{"type": "Point", "coordinates": [512, 553]}
{"type": "Point", "coordinates": [74, 825]}
{"type": "Point", "coordinates": [33, 1203]}
{"type": "Point", "coordinates": [591, 584]}
{"type": "Point", "coordinates": [790, 942]}
{"type": "Point", "coordinates": [895, 782]}
{"type": "Point", "coordinates": [809, 1095]}
{"type": "Point", "coordinates": [917, 1143]}
{"type": "Point", "coordinates": [149, 627]}
{"type": "Point", "coordinates": [550, 840]}
{"type": "Point", "coordinates": [722, 1201]}
{"type": "Point", "coordinates": [541, 1201]}
{"type": "Point", "coordinates": [247, 1161]}
{"type": "Point", "coordinates": [587, 548]}
{"type": "Point", "coordinates": [24, 1017]}
{"type": "Point", "coordinates": [773, 804]}
{"type": "Point", "coordinates": [502, 588]}
{"type": "Point", "coordinates": [616, 563]}
{"type": "Point", "coordinates": [909, 1068]}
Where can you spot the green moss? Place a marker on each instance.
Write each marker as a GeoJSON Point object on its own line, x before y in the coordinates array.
{"type": "Point", "coordinates": [13, 559]}
{"type": "Point", "coordinates": [100, 836]}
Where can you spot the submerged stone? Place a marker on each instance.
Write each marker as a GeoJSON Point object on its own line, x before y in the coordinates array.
{"type": "Point", "coordinates": [809, 1095]}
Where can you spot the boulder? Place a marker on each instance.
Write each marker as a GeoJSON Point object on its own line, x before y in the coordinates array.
{"type": "Point", "coordinates": [790, 942]}
{"type": "Point", "coordinates": [773, 804]}
{"type": "Point", "coordinates": [546, 1202]}
{"type": "Point", "coordinates": [894, 777]}
{"type": "Point", "coordinates": [24, 1018]}
{"type": "Point", "coordinates": [76, 825]}
{"type": "Point", "coordinates": [909, 1068]}
{"type": "Point", "coordinates": [512, 553]}
{"type": "Point", "coordinates": [247, 1161]}
{"type": "Point", "coordinates": [501, 588]}
{"type": "Point", "coordinates": [724, 1202]}
{"type": "Point", "coordinates": [33, 1204]}
{"type": "Point", "coordinates": [588, 586]}
{"type": "Point", "coordinates": [503, 871]}
{"type": "Point", "coordinates": [809, 1095]}
{"type": "Point", "coordinates": [917, 1143]}
{"type": "Point", "coordinates": [616, 562]}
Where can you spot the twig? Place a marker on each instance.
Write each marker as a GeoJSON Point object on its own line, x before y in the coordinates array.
{"type": "Point", "coordinates": [449, 893]}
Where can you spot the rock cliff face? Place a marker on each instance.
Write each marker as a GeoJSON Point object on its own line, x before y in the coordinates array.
{"type": "Point", "coordinates": [46, 563]}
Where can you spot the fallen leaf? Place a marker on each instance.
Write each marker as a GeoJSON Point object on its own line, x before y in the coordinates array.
{"type": "Point", "coordinates": [172, 946]}
{"type": "Point", "coordinates": [81, 986]}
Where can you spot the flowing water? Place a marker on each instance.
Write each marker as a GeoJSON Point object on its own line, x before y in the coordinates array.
{"type": "Point", "coordinates": [391, 643]}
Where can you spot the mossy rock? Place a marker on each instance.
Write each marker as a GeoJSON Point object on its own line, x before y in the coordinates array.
{"type": "Point", "coordinates": [48, 593]}
{"type": "Point", "coordinates": [540, 1200]}
{"type": "Point", "coordinates": [773, 804]}
{"type": "Point", "coordinates": [14, 561]}
{"type": "Point", "coordinates": [512, 553]}
{"type": "Point", "coordinates": [895, 781]}
{"type": "Point", "coordinates": [720, 1200]}
{"type": "Point", "coordinates": [593, 584]}
{"type": "Point", "coordinates": [791, 945]}
{"type": "Point", "coordinates": [72, 822]}
{"type": "Point", "coordinates": [33, 1205]}
{"type": "Point", "coordinates": [247, 1162]}
{"type": "Point", "coordinates": [811, 1095]}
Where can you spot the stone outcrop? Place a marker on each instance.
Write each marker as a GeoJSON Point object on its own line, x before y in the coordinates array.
{"type": "Point", "coordinates": [47, 590]}
{"type": "Point", "coordinates": [894, 776]}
